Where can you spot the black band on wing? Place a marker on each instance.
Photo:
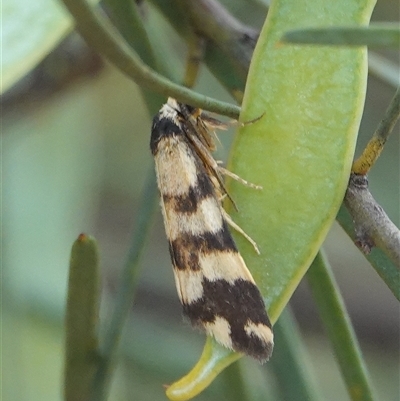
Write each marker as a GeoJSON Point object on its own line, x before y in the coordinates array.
{"type": "Point", "coordinates": [188, 203]}
{"type": "Point", "coordinates": [237, 303]}
{"type": "Point", "coordinates": [186, 250]}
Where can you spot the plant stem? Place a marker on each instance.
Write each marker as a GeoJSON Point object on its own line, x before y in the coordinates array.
{"type": "Point", "coordinates": [371, 224]}
{"type": "Point", "coordinates": [339, 329]}
{"type": "Point", "coordinates": [378, 259]}
{"type": "Point", "coordinates": [289, 361]}
{"type": "Point", "coordinates": [374, 35]}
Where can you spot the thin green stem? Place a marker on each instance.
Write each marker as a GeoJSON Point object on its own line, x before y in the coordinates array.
{"type": "Point", "coordinates": [289, 361]}
{"type": "Point", "coordinates": [390, 118]}
{"type": "Point", "coordinates": [125, 292]}
{"type": "Point", "coordinates": [100, 34]}
{"type": "Point", "coordinates": [126, 18]}
{"type": "Point", "coordinates": [339, 329]}
{"type": "Point", "coordinates": [375, 35]}
{"type": "Point", "coordinates": [375, 146]}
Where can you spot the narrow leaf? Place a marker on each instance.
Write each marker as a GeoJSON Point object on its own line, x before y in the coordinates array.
{"type": "Point", "coordinates": [81, 319]}
{"type": "Point", "coordinates": [338, 326]}
{"type": "Point", "coordinates": [375, 35]}
{"type": "Point", "coordinates": [290, 363]}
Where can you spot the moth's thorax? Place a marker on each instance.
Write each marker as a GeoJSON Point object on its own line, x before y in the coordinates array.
{"type": "Point", "coordinates": [165, 124]}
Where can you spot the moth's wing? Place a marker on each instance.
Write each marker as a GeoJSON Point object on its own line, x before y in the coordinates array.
{"type": "Point", "coordinates": [209, 164]}
{"type": "Point", "coordinates": [223, 299]}
{"type": "Point", "coordinates": [214, 285]}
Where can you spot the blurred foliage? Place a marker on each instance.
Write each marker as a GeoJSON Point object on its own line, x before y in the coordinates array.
{"type": "Point", "coordinates": [30, 30]}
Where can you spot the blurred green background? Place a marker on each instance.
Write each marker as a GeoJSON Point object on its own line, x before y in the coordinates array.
{"type": "Point", "coordinates": [75, 154]}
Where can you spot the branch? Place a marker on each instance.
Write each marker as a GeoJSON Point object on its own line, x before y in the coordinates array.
{"type": "Point", "coordinates": [372, 225]}
{"type": "Point", "coordinates": [214, 22]}
{"type": "Point", "coordinates": [378, 259]}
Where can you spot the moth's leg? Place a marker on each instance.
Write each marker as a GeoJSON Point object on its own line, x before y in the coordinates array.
{"type": "Point", "coordinates": [254, 120]}
{"type": "Point", "coordinates": [239, 230]}
{"type": "Point", "coordinates": [224, 171]}
{"type": "Point", "coordinates": [233, 122]}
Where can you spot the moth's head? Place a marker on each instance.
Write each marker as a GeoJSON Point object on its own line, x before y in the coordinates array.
{"type": "Point", "coordinates": [165, 123]}
{"type": "Point", "coordinates": [173, 104]}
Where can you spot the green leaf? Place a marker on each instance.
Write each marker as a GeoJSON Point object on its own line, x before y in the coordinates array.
{"type": "Point", "coordinates": [375, 35]}
{"type": "Point", "coordinates": [213, 360]}
{"type": "Point", "coordinates": [301, 149]}
{"type": "Point", "coordinates": [81, 318]}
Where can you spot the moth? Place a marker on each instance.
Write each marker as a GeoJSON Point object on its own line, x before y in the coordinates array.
{"type": "Point", "coordinates": [217, 291]}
